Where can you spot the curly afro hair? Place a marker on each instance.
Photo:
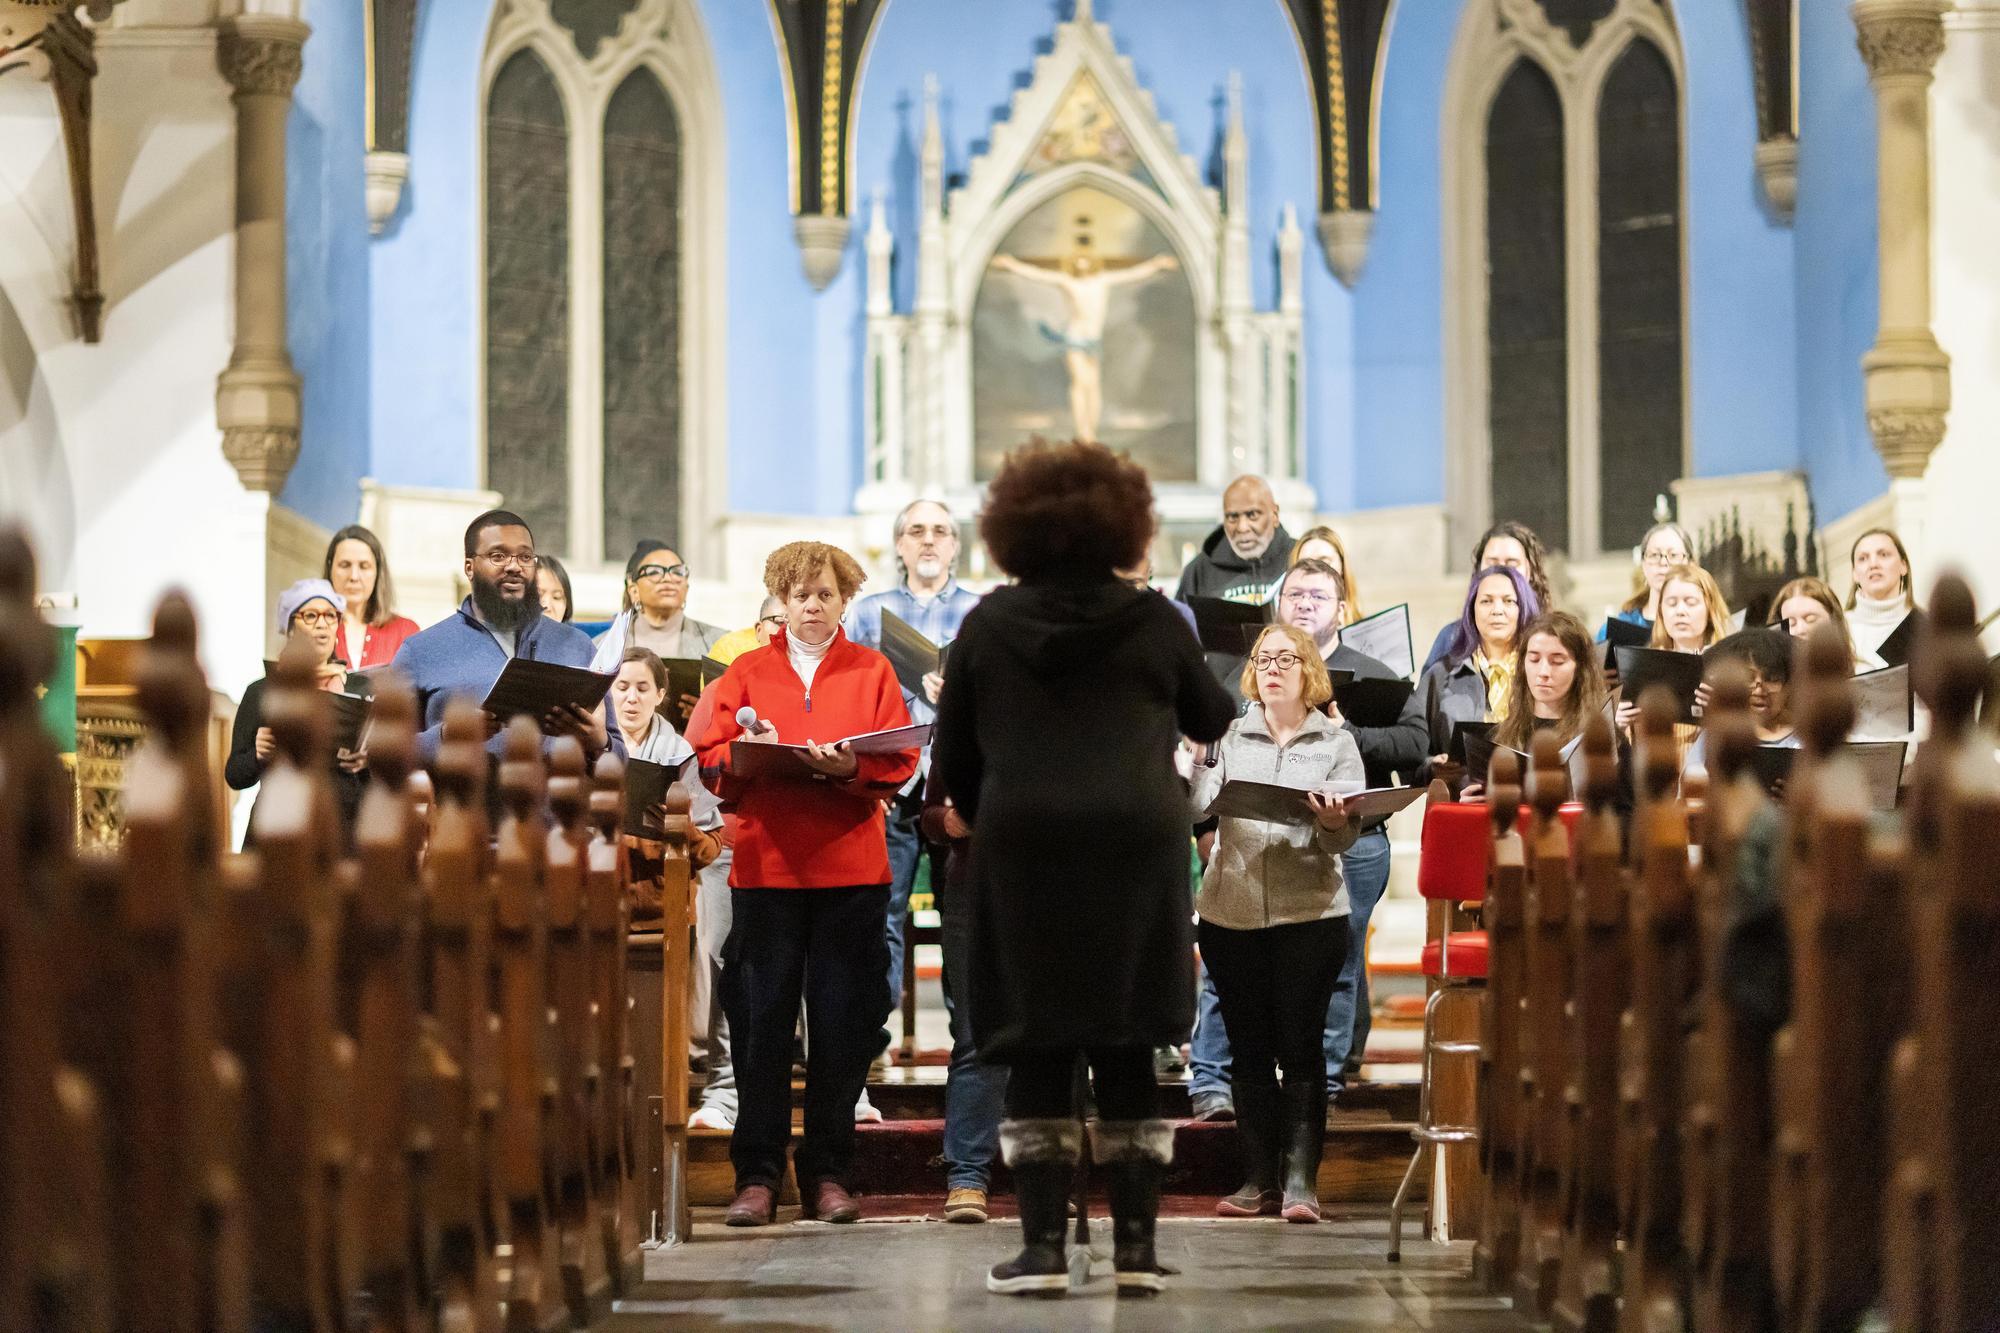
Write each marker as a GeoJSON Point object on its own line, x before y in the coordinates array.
{"type": "Point", "coordinates": [795, 563]}
{"type": "Point", "coordinates": [1067, 511]}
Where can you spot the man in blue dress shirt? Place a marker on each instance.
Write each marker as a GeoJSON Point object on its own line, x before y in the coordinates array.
{"type": "Point", "coordinates": [930, 601]}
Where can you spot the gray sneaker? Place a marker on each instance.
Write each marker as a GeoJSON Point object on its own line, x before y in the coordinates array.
{"type": "Point", "coordinates": [1213, 1106]}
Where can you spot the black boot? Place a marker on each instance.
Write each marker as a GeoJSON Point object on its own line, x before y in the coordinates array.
{"type": "Point", "coordinates": [1305, 1143]}
{"type": "Point", "coordinates": [1136, 1153]}
{"type": "Point", "coordinates": [1257, 1140]}
{"type": "Point", "coordinates": [1042, 1155]}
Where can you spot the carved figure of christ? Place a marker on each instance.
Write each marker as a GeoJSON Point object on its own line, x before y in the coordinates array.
{"type": "Point", "coordinates": [1086, 287]}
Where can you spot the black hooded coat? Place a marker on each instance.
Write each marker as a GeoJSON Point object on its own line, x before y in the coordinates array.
{"type": "Point", "coordinates": [1055, 736]}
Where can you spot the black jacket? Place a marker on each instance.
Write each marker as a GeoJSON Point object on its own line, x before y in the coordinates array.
{"type": "Point", "coordinates": [1219, 572]}
{"type": "Point", "coordinates": [1056, 734]}
{"type": "Point", "coordinates": [243, 769]}
{"type": "Point", "coordinates": [1386, 750]}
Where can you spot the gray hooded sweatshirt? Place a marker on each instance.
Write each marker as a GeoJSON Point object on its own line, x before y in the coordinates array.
{"type": "Point", "coordinates": [1263, 874]}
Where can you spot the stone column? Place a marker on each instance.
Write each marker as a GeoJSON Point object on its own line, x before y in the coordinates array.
{"type": "Point", "coordinates": [257, 397]}
{"type": "Point", "coordinates": [1908, 375]}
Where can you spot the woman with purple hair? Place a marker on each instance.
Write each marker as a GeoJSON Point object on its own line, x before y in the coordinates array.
{"type": "Point", "coordinates": [1471, 681]}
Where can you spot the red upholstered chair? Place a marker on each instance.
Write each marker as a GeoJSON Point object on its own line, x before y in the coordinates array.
{"type": "Point", "coordinates": [1451, 867]}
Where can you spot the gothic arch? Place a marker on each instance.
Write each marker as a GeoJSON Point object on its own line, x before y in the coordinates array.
{"type": "Point", "coordinates": [1492, 36]}
{"type": "Point", "coordinates": [664, 39]}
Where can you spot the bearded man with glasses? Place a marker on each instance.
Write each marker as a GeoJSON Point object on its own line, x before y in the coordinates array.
{"type": "Point", "coordinates": [463, 654]}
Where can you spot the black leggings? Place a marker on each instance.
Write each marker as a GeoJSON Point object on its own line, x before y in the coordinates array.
{"type": "Point", "coordinates": [1274, 985]}
{"type": "Point", "coordinates": [1043, 1084]}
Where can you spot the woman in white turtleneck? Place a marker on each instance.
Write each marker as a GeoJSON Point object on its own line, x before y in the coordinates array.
{"type": "Point", "coordinates": [1884, 594]}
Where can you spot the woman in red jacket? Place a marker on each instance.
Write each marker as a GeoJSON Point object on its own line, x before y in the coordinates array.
{"type": "Point", "coordinates": [810, 885]}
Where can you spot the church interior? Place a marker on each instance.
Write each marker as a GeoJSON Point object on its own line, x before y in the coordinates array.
{"type": "Point", "coordinates": [411, 1040]}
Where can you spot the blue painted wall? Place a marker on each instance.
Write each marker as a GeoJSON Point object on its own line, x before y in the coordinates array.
{"type": "Point", "coordinates": [326, 220]}
{"type": "Point", "coordinates": [422, 297]}
{"type": "Point", "coordinates": [1837, 271]}
{"type": "Point", "coordinates": [1742, 389]}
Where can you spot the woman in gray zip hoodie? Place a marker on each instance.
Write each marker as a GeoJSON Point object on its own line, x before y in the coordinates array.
{"type": "Point", "coordinates": [1273, 918]}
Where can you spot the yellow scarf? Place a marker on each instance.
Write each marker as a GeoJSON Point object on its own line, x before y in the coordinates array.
{"type": "Point", "coordinates": [1499, 677]}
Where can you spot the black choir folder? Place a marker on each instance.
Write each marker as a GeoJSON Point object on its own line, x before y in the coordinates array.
{"type": "Point", "coordinates": [646, 785]}
{"type": "Point", "coordinates": [775, 759]}
{"type": "Point", "coordinates": [910, 653]}
{"type": "Point", "coordinates": [689, 675]}
{"type": "Point", "coordinates": [1623, 634]}
{"type": "Point", "coordinates": [1273, 803]}
{"type": "Point", "coordinates": [1372, 701]}
{"type": "Point", "coordinates": [1221, 624]}
{"type": "Point", "coordinates": [350, 711]}
{"type": "Point", "coordinates": [531, 688]}
{"type": "Point", "coordinates": [1639, 669]}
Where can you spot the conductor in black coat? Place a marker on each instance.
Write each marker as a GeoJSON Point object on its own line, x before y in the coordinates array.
{"type": "Point", "coordinates": [1065, 699]}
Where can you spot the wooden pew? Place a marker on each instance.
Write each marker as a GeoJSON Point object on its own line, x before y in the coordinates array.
{"type": "Point", "coordinates": [624, 1220]}
{"type": "Point", "coordinates": [1727, 1126]}
{"type": "Point", "coordinates": [1587, 1290]}
{"type": "Point", "coordinates": [1662, 981]}
{"type": "Point", "coordinates": [1941, 1217]}
{"type": "Point", "coordinates": [378, 979]}
{"type": "Point", "coordinates": [1841, 880]}
{"type": "Point", "coordinates": [1503, 1095]}
{"type": "Point", "coordinates": [1545, 1047]}
{"type": "Point", "coordinates": [56, 1263]}
{"type": "Point", "coordinates": [459, 1055]}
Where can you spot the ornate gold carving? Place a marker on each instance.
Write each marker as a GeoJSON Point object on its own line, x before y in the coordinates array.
{"type": "Point", "coordinates": [829, 114]}
{"type": "Point", "coordinates": [262, 455]}
{"type": "Point", "coordinates": [259, 64]}
{"type": "Point", "coordinates": [1336, 107]}
{"type": "Point", "coordinates": [1906, 437]}
{"type": "Point", "coordinates": [107, 735]}
{"type": "Point", "coordinates": [1900, 45]}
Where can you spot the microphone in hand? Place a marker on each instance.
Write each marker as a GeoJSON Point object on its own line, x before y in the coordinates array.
{"type": "Point", "coordinates": [753, 728]}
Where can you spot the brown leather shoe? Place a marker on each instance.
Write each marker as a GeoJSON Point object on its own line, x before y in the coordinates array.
{"type": "Point", "coordinates": [754, 1206]}
{"type": "Point", "coordinates": [830, 1202]}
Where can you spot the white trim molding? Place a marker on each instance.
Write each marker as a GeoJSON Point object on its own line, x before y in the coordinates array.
{"type": "Point", "coordinates": [1492, 36]}
{"type": "Point", "coordinates": [918, 402]}
{"type": "Point", "coordinates": [665, 37]}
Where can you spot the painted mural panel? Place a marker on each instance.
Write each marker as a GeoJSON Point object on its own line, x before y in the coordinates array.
{"type": "Point", "coordinates": [1084, 328]}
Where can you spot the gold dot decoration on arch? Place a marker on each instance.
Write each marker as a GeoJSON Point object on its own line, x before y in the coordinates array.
{"type": "Point", "coordinates": [823, 44]}
{"type": "Point", "coordinates": [1342, 43]}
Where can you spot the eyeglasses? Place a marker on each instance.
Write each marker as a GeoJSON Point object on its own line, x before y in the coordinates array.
{"type": "Point", "coordinates": [1297, 598]}
{"type": "Point", "coordinates": [776, 619]}
{"type": "Point", "coordinates": [654, 573]}
{"type": "Point", "coordinates": [502, 559]}
{"type": "Point", "coordinates": [1661, 558]}
{"type": "Point", "coordinates": [1275, 661]}
{"type": "Point", "coordinates": [316, 619]}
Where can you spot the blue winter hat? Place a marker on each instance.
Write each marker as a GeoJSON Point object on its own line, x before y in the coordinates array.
{"type": "Point", "coordinates": [296, 596]}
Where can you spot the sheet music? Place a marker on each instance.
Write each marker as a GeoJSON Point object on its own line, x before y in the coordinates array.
{"type": "Point", "coordinates": [1882, 704]}
{"type": "Point", "coordinates": [1385, 636]}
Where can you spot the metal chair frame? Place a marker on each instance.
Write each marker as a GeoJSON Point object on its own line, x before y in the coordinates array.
{"type": "Point", "coordinates": [1427, 1134]}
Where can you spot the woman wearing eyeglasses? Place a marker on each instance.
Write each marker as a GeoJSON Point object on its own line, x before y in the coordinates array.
{"type": "Point", "coordinates": [309, 613]}
{"type": "Point", "coordinates": [1273, 918]}
{"type": "Point", "coordinates": [653, 614]}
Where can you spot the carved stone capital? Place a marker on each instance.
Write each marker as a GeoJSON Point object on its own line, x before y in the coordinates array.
{"type": "Point", "coordinates": [1344, 234]}
{"type": "Point", "coordinates": [822, 241]}
{"type": "Point", "coordinates": [1900, 38]}
{"type": "Point", "coordinates": [1906, 437]}
{"type": "Point", "coordinates": [262, 56]}
{"type": "Point", "coordinates": [386, 173]}
{"type": "Point", "coordinates": [1778, 168]}
{"type": "Point", "coordinates": [262, 455]}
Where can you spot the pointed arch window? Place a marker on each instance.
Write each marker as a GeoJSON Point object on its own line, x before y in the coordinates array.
{"type": "Point", "coordinates": [642, 252]}
{"type": "Point", "coordinates": [603, 323]}
{"type": "Point", "coordinates": [528, 296]}
{"type": "Point", "coordinates": [1564, 194]}
{"type": "Point", "coordinates": [1527, 324]}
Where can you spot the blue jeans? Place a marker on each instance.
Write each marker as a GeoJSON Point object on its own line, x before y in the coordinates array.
{"type": "Point", "coordinates": [1208, 1052]}
{"type": "Point", "coordinates": [1366, 865]}
{"type": "Point", "coordinates": [906, 849]}
{"type": "Point", "coordinates": [975, 1093]}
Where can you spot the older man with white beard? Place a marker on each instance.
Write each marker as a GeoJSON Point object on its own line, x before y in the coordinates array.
{"type": "Point", "coordinates": [930, 601]}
